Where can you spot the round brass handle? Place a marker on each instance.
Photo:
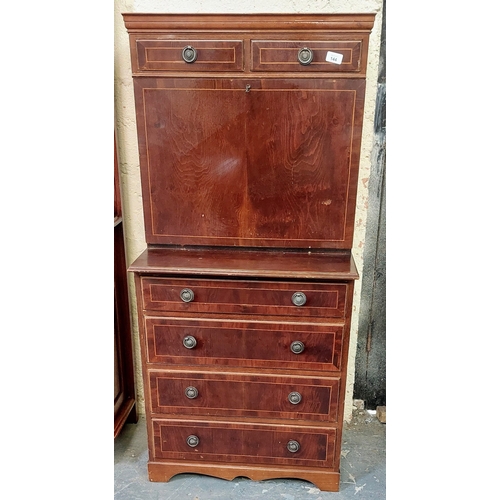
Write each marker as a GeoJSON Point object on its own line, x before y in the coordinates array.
{"type": "Point", "coordinates": [189, 342]}
{"type": "Point", "coordinates": [295, 398]}
{"type": "Point", "coordinates": [305, 56]}
{"type": "Point", "coordinates": [299, 298]}
{"type": "Point", "coordinates": [191, 392]}
{"type": "Point", "coordinates": [193, 440]}
{"type": "Point", "coordinates": [189, 54]}
{"type": "Point", "coordinates": [297, 347]}
{"type": "Point", "coordinates": [293, 446]}
{"type": "Point", "coordinates": [187, 295]}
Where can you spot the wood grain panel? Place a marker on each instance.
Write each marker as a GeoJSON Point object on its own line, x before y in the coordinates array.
{"type": "Point", "coordinates": [281, 55]}
{"type": "Point", "coordinates": [244, 395]}
{"type": "Point", "coordinates": [238, 262]}
{"type": "Point", "coordinates": [212, 55]}
{"type": "Point", "coordinates": [277, 163]}
{"type": "Point", "coordinates": [244, 343]}
{"type": "Point", "coordinates": [180, 23]}
{"type": "Point", "coordinates": [299, 163]}
{"type": "Point", "coordinates": [240, 443]}
{"type": "Point", "coordinates": [244, 297]}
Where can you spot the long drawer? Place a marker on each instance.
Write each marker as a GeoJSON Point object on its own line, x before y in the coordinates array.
{"type": "Point", "coordinates": [243, 443]}
{"type": "Point", "coordinates": [299, 299]}
{"type": "Point", "coordinates": [240, 395]}
{"type": "Point", "coordinates": [202, 341]}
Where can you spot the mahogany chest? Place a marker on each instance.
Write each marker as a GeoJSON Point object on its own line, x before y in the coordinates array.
{"type": "Point", "coordinates": [249, 132]}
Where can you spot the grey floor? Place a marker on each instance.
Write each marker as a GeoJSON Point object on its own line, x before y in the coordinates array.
{"type": "Point", "coordinates": [363, 471]}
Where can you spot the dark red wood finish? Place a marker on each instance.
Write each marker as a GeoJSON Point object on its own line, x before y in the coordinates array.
{"type": "Point", "coordinates": [236, 262]}
{"type": "Point", "coordinates": [249, 170]}
{"type": "Point", "coordinates": [244, 297]}
{"type": "Point", "coordinates": [281, 55]}
{"type": "Point", "coordinates": [212, 55]}
{"type": "Point", "coordinates": [125, 407]}
{"type": "Point", "coordinates": [215, 465]}
{"type": "Point", "coordinates": [244, 443]}
{"type": "Point", "coordinates": [239, 395]}
{"type": "Point", "coordinates": [278, 163]}
{"type": "Point", "coordinates": [244, 343]}
{"type": "Point", "coordinates": [333, 24]}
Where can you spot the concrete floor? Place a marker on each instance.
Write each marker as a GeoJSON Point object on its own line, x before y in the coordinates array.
{"type": "Point", "coordinates": [363, 471]}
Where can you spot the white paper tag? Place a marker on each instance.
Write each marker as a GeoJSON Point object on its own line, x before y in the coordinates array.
{"type": "Point", "coordinates": [334, 57]}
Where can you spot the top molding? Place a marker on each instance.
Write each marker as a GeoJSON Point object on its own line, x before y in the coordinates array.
{"type": "Point", "coordinates": [137, 22]}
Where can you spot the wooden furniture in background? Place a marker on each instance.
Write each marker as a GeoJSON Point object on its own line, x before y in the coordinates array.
{"type": "Point", "coordinates": [249, 142]}
{"type": "Point", "coordinates": [124, 384]}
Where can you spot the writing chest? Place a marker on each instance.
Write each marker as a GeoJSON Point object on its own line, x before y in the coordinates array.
{"type": "Point", "coordinates": [249, 131]}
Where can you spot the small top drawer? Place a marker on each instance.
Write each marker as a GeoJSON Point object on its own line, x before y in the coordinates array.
{"type": "Point", "coordinates": [189, 55]}
{"type": "Point", "coordinates": [306, 55]}
{"type": "Point", "coordinates": [244, 297]}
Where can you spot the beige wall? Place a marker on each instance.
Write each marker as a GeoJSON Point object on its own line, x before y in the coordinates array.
{"type": "Point", "coordinates": [127, 138]}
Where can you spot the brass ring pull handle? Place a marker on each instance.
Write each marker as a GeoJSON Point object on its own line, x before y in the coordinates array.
{"type": "Point", "coordinates": [189, 54]}
{"type": "Point", "coordinates": [305, 56]}
{"type": "Point", "coordinates": [193, 440]}
{"type": "Point", "coordinates": [297, 347]}
{"type": "Point", "coordinates": [299, 298]}
{"type": "Point", "coordinates": [293, 446]}
{"type": "Point", "coordinates": [191, 392]}
{"type": "Point", "coordinates": [189, 342]}
{"type": "Point", "coordinates": [187, 295]}
{"type": "Point", "coordinates": [295, 398]}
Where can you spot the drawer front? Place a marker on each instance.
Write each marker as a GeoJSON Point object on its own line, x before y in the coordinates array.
{"type": "Point", "coordinates": [211, 55]}
{"type": "Point", "coordinates": [244, 297]}
{"type": "Point", "coordinates": [282, 55]}
{"type": "Point", "coordinates": [240, 395]}
{"type": "Point", "coordinates": [244, 343]}
{"type": "Point", "coordinates": [243, 443]}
